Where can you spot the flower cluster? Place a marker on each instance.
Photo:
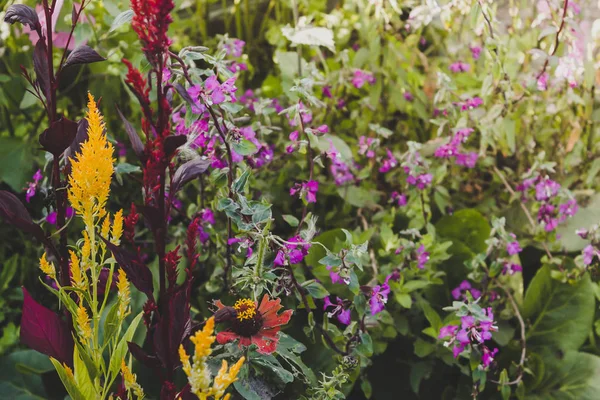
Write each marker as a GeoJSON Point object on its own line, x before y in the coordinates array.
{"type": "Point", "coordinates": [554, 204]}
{"type": "Point", "coordinates": [293, 252]}
{"type": "Point", "coordinates": [361, 77]}
{"type": "Point", "coordinates": [198, 372]}
{"type": "Point", "coordinates": [472, 333]}
{"type": "Point", "coordinates": [306, 190]}
{"type": "Point", "coordinates": [452, 150]}
{"type": "Point", "coordinates": [151, 20]}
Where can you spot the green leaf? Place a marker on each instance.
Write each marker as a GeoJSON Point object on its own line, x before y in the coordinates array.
{"type": "Point", "coordinates": [467, 227]}
{"type": "Point", "coordinates": [67, 380]}
{"type": "Point", "coordinates": [404, 299]}
{"type": "Point", "coordinates": [423, 348]}
{"type": "Point", "coordinates": [121, 349]}
{"type": "Point", "coordinates": [82, 377]}
{"type": "Point", "coordinates": [572, 375]}
{"type": "Point", "coordinates": [316, 290]}
{"type": "Point", "coordinates": [245, 147]}
{"type": "Point", "coordinates": [357, 196]}
{"type": "Point", "coordinates": [13, 392]}
{"type": "Point", "coordinates": [15, 163]}
{"type": "Point", "coordinates": [291, 220]}
{"type": "Point", "coordinates": [124, 18]}
{"type": "Point", "coordinates": [240, 183]}
{"type": "Point", "coordinates": [271, 364]}
{"type": "Point", "coordinates": [561, 315]}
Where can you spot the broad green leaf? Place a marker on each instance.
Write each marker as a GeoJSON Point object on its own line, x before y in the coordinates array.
{"type": "Point", "coordinates": [316, 290]}
{"type": "Point", "coordinates": [561, 314]}
{"type": "Point", "coordinates": [466, 226]}
{"type": "Point", "coordinates": [245, 147]}
{"type": "Point", "coordinates": [569, 376]}
{"type": "Point", "coordinates": [67, 378]}
{"type": "Point", "coordinates": [82, 376]}
{"type": "Point", "coordinates": [588, 215]}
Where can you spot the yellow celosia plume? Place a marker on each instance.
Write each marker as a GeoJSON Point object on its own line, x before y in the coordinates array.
{"type": "Point", "coordinates": [47, 267]}
{"type": "Point", "coordinates": [198, 372]}
{"type": "Point", "coordinates": [92, 169]}
{"type": "Point", "coordinates": [83, 324]}
{"type": "Point", "coordinates": [130, 381]}
{"type": "Point", "coordinates": [124, 294]}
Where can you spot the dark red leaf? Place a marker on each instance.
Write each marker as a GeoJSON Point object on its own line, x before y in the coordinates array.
{"type": "Point", "coordinates": [83, 55]}
{"type": "Point", "coordinates": [59, 136]}
{"type": "Point", "coordinates": [15, 213]}
{"type": "Point", "coordinates": [173, 326]}
{"type": "Point", "coordinates": [40, 66]}
{"type": "Point", "coordinates": [44, 331]}
{"type": "Point", "coordinates": [23, 14]}
{"type": "Point", "coordinates": [188, 171]}
{"type": "Point", "coordinates": [137, 272]}
{"type": "Point", "coordinates": [172, 143]}
{"type": "Point", "coordinates": [143, 357]}
{"type": "Point", "coordinates": [183, 93]}
{"type": "Point", "coordinates": [151, 217]}
{"type": "Point", "coordinates": [80, 137]}
{"type": "Point", "coordinates": [136, 142]}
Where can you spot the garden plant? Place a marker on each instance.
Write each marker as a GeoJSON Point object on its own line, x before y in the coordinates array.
{"type": "Point", "coordinates": [299, 199]}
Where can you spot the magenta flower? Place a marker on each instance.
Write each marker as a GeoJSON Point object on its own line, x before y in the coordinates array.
{"type": "Point", "coordinates": [422, 257]}
{"type": "Point", "coordinates": [545, 189]}
{"type": "Point", "coordinates": [327, 92]}
{"type": "Point", "coordinates": [365, 146]}
{"type": "Point", "coordinates": [488, 356]}
{"type": "Point", "coordinates": [339, 310]}
{"type": "Point", "coordinates": [361, 77]}
{"type": "Point", "coordinates": [32, 186]}
{"type": "Point", "coordinates": [379, 297]}
{"type": "Point", "coordinates": [408, 96]}
{"type": "Point", "coordinates": [459, 67]}
{"type": "Point", "coordinates": [295, 250]}
{"type": "Point", "coordinates": [511, 269]}
{"type": "Point", "coordinates": [475, 52]}
{"type": "Point", "coordinates": [446, 331]}
{"type": "Point", "coordinates": [399, 199]}
{"type": "Point", "coordinates": [589, 252]}
{"type": "Point", "coordinates": [388, 163]}
{"type": "Point", "coordinates": [513, 248]}
{"type": "Point", "coordinates": [461, 290]}
{"type": "Point", "coordinates": [470, 104]}
{"type": "Point", "coordinates": [420, 181]}
{"type": "Point", "coordinates": [308, 189]}
{"type": "Point", "coordinates": [335, 276]}
{"type": "Point", "coordinates": [542, 82]}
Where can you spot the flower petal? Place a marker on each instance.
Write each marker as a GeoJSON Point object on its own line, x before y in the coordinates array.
{"type": "Point", "coordinates": [265, 346]}
{"type": "Point", "coordinates": [274, 320]}
{"type": "Point", "coordinates": [226, 337]}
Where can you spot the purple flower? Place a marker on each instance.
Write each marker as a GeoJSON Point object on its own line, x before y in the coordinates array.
{"type": "Point", "coordinates": [569, 208]}
{"type": "Point", "coordinates": [295, 250]}
{"type": "Point", "coordinates": [422, 257]}
{"type": "Point", "coordinates": [52, 217]}
{"type": "Point", "coordinates": [467, 160]}
{"type": "Point", "coordinates": [340, 171]}
{"type": "Point", "coordinates": [327, 92]}
{"type": "Point", "coordinates": [488, 356]}
{"type": "Point", "coordinates": [365, 146]}
{"type": "Point", "coordinates": [545, 189]}
{"type": "Point", "coordinates": [399, 199]}
{"type": "Point", "coordinates": [470, 104]}
{"type": "Point", "coordinates": [308, 188]}
{"type": "Point", "coordinates": [379, 296]}
{"type": "Point", "coordinates": [32, 186]}
{"type": "Point", "coordinates": [542, 82]}
{"type": "Point", "coordinates": [449, 330]}
{"type": "Point", "coordinates": [207, 216]}
{"type": "Point", "coordinates": [513, 248]}
{"type": "Point", "coordinates": [279, 259]}
{"type": "Point", "coordinates": [408, 96]}
{"type": "Point", "coordinates": [459, 67]}
{"type": "Point", "coordinates": [475, 52]}
{"type": "Point", "coordinates": [339, 311]}
{"type": "Point", "coordinates": [361, 77]}
{"type": "Point", "coordinates": [511, 268]}
{"type": "Point", "coordinates": [461, 290]}
{"type": "Point", "coordinates": [388, 163]}
{"type": "Point", "coordinates": [335, 276]}
{"type": "Point", "coordinates": [582, 233]}
{"type": "Point", "coordinates": [589, 252]}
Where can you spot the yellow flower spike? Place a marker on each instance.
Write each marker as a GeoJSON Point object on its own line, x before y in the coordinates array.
{"type": "Point", "coordinates": [203, 340]}
{"type": "Point", "coordinates": [227, 396]}
{"type": "Point", "coordinates": [83, 324]}
{"type": "Point", "coordinates": [47, 267]}
{"type": "Point", "coordinates": [86, 249]}
{"type": "Point", "coordinates": [91, 169]}
{"type": "Point", "coordinates": [130, 380]}
{"type": "Point", "coordinates": [77, 276]}
{"type": "Point", "coordinates": [185, 361]}
{"type": "Point", "coordinates": [124, 294]}
{"type": "Point", "coordinates": [225, 378]}
{"type": "Point", "coordinates": [117, 228]}
{"type": "Point", "coordinates": [105, 231]}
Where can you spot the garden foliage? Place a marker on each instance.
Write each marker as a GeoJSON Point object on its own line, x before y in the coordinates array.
{"type": "Point", "coordinates": [299, 200]}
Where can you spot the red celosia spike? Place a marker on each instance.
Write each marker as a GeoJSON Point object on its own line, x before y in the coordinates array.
{"type": "Point", "coordinates": [130, 221]}
{"type": "Point", "coordinates": [151, 20]}
{"type": "Point", "coordinates": [171, 261]}
{"type": "Point", "coordinates": [190, 242]}
{"type": "Point", "coordinates": [137, 81]}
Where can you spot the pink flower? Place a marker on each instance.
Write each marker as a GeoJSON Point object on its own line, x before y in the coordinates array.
{"type": "Point", "coordinates": [339, 310]}
{"type": "Point", "coordinates": [361, 77]}
{"type": "Point", "coordinates": [309, 189]}
{"type": "Point", "coordinates": [459, 67]}
{"type": "Point", "coordinates": [379, 297]}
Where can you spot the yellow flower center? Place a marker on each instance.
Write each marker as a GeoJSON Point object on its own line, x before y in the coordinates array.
{"type": "Point", "coordinates": [246, 309]}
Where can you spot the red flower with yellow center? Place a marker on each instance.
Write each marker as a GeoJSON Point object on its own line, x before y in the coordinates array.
{"type": "Point", "coordinates": [252, 323]}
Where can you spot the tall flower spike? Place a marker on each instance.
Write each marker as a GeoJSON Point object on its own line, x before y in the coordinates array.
{"type": "Point", "coordinates": [77, 276]}
{"type": "Point", "coordinates": [47, 267]}
{"type": "Point", "coordinates": [124, 294]}
{"type": "Point", "coordinates": [83, 324]}
{"type": "Point", "coordinates": [198, 372]}
{"type": "Point", "coordinates": [130, 381]}
{"type": "Point", "coordinates": [117, 228]}
{"type": "Point", "coordinates": [92, 169]}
